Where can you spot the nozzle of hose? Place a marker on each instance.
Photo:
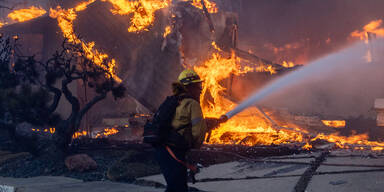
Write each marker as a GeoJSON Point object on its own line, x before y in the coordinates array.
{"type": "Point", "coordinates": [223, 119]}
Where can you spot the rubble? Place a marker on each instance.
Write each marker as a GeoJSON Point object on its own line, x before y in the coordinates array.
{"type": "Point", "coordinates": [80, 163]}
{"type": "Point", "coordinates": [132, 166]}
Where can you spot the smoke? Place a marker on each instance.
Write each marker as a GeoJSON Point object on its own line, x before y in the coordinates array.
{"type": "Point", "coordinates": [300, 30]}
{"type": "Point", "coordinates": [344, 84]}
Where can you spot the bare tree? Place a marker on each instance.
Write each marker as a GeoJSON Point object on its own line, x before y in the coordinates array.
{"type": "Point", "coordinates": [54, 76]}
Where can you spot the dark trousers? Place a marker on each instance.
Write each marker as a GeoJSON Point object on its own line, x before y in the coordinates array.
{"type": "Point", "coordinates": [174, 172]}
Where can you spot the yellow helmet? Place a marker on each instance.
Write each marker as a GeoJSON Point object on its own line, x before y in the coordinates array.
{"type": "Point", "coordinates": [189, 76]}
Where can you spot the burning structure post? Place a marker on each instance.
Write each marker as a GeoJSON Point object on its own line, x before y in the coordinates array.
{"type": "Point", "coordinates": [379, 107]}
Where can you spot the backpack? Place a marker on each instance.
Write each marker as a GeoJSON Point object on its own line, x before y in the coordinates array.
{"type": "Point", "coordinates": [159, 130]}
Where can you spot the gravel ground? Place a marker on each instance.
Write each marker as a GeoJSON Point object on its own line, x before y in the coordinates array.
{"type": "Point", "coordinates": [137, 156]}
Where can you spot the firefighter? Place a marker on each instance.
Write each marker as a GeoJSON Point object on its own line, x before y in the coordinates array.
{"type": "Point", "coordinates": [190, 128]}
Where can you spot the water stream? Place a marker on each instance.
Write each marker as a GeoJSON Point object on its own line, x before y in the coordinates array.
{"type": "Point", "coordinates": [352, 57]}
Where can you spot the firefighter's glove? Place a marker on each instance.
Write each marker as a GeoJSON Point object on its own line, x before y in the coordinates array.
{"type": "Point", "coordinates": [213, 123]}
{"type": "Point", "coordinates": [223, 119]}
{"type": "Point", "coordinates": [193, 171]}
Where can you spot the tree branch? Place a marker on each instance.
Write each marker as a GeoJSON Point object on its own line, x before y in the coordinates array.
{"type": "Point", "coordinates": [88, 106]}
{"type": "Point", "coordinates": [56, 98]}
{"type": "Point", "coordinates": [71, 99]}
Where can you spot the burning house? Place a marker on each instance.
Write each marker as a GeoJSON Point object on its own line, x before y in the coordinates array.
{"type": "Point", "coordinates": [288, 77]}
{"type": "Point", "coordinates": [149, 43]}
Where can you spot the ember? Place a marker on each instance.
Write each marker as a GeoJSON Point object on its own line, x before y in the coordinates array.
{"type": "Point", "coordinates": [107, 132]}
{"type": "Point", "coordinates": [79, 134]}
{"type": "Point", "coordinates": [51, 130]}
{"type": "Point", "coordinates": [167, 31]}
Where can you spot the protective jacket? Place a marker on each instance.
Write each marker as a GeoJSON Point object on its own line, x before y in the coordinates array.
{"type": "Point", "coordinates": [189, 115]}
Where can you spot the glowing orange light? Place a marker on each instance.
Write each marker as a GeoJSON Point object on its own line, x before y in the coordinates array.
{"type": "Point", "coordinates": [107, 132]}
{"type": "Point", "coordinates": [167, 31]}
{"type": "Point", "coordinates": [334, 123]}
{"type": "Point", "coordinates": [247, 128]}
{"type": "Point", "coordinates": [211, 6]}
{"type": "Point", "coordinates": [22, 15]}
{"type": "Point", "coordinates": [142, 11]}
{"type": "Point", "coordinates": [288, 64]}
{"type": "Point", "coordinates": [79, 134]}
{"type": "Point", "coordinates": [372, 27]}
{"type": "Point", "coordinates": [65, 19]}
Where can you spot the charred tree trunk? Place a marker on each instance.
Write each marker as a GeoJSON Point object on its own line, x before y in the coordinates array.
{"type": "Point", "coordinates": [67, 128]}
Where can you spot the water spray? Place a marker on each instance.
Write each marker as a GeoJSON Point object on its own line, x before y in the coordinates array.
{"type": "Point", "coordinates": [318, 67]}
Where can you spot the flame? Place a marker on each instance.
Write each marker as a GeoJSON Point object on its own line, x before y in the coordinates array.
{"type": "Point", "coordinates": [27, 14]}
{"type": "Point", "coordinates": [372, 27]}
{"type": "Point", "coordinates": [213, 71]}
{"type": "Point", "coordinates": [211, 7]}
{"type": "Point", "coordinates": [51, 130]}
{"type": "Point", "coordinates": [214, 45]}
{"type": "Point", "coordinates": [142, 115]}
{"type": "Point", "coordinates": [167, 31]}
{"type": "Point", "coordinates": [107, 132]}
{"type": "Point", "coordinates": [65, 18]}
{"type": "Point", "coordinates": [334, 123]}
{"type": "Point", "coordinates": [84, 5]}
{"type": "Point", "coordinates": [288, 64]}
{"type": "Point", "coordinates": [307, 146]}
{"type": "Point", "coordinates": [79, 134]}
{"type": "Point", "coordinates": [355, 141]}
{"type": "Point", "coordinates": [248, 128]}
{"type": "Point", "coordinates": [142, 11]}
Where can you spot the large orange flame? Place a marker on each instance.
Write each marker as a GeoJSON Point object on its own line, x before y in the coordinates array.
{"type": "Point", "coordinates": [142, 11]}
{"type": "Point", "coordinates": [27, 14]}
{"type": "Point", "coordinates": [250, 127]}
{"type": "Point", "coordinates": [247, 128]}
{"type": "Point", "coordinates": [65, 18]}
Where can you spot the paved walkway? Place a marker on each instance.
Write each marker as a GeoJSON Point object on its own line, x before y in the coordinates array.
{"type": "Point", "coordinates": [64, 184]}
{"type": "Point", "coordinates": [340, 171]}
